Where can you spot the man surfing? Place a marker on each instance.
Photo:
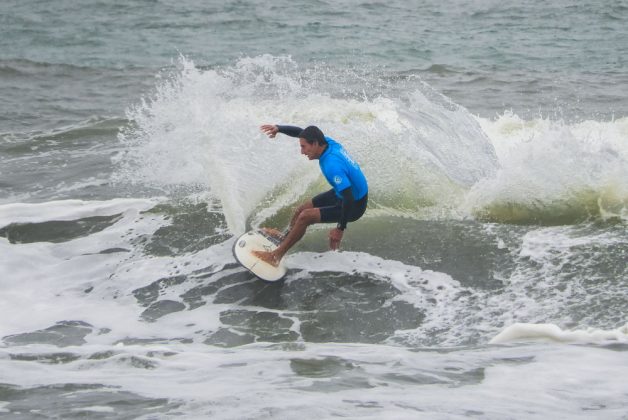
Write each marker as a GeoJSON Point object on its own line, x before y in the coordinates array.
{"type": "Point", "coordinates": [345, 202]}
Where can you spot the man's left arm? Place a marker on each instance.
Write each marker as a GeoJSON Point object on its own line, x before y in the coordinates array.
{"type": "Point", "coordinates": [348, 201]}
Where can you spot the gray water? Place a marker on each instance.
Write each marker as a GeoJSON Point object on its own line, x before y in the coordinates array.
{"type": "Point", "coordinates": [493, 254]}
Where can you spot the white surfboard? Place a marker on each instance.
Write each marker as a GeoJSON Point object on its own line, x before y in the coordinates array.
{"type": "Point", "coordinates": [257, 240]}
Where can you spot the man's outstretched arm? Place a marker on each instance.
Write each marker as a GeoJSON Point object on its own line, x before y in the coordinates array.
{"type": "Point", "coordinates": [289, 130]}
{"type": "Point", "coordinates": [271, 130]}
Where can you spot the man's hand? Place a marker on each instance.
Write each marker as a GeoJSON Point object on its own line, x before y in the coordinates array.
{"type": "Point", "coordinates": [270, 130]}
{"type": "Point", "coordinates": [335, 236]}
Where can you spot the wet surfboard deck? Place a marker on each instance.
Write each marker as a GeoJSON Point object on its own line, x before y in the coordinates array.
{"type": "Point", "coordinates": [257, 240]}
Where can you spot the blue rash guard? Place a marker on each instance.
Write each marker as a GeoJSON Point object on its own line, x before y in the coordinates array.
{"type": "Point", "coordinates": [345, 177]}
{"type": "Point", "coordinates": [341, 171]}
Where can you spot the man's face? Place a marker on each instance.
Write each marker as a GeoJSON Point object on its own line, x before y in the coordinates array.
{"type": "Point", "coordinates": [312, 151]}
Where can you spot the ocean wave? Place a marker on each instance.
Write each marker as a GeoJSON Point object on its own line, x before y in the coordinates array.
{"type": "Point", "coordinates": [24, 145]}
{"type": "Point", "coordinates": [424, 155]}
{"type": "Point", "coordinates": [554, 173]}
{"type": "Point", "coordinates": [25, 67]}
{"type": "Point", "coordinates": [200, 127]}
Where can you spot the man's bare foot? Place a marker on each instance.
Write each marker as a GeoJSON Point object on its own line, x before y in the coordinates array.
{"type": "Point", "coordinates": [267, 257]}
{"type": "Point", "coordinates": [274, 233]}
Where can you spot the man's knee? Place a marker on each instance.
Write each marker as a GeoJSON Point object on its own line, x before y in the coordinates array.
{"type": "Point", "coordinates": [309, 216]}
{"type": "Point", "coordinates": [305, 206]}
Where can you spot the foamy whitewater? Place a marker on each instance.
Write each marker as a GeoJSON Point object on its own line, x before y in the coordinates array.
{"type": "Point", "coordinates": [488, 278]}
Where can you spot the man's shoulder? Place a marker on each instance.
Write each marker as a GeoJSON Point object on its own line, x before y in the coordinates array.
{"type": "Point", "coordinates": [335, 157]}
{"type": "Point", "coordinates": [333, 143]}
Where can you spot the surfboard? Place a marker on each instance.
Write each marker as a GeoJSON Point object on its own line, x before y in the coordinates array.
{"type": "Point", "coordinates": [256, 240]}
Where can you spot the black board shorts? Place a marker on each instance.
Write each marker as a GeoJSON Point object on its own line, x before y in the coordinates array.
{"type": "Point", "coordinates": [330, 207]}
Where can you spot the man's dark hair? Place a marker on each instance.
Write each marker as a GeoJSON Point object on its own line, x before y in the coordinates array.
{"type": "Point", "coordinates": [313, 134]}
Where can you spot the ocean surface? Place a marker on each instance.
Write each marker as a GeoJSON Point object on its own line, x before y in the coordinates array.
{"type": "Point", "coordinates": [488, 278]}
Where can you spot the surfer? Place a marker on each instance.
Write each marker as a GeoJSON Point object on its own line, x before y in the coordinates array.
{"type": "Point", "coordinates": [345, 202]}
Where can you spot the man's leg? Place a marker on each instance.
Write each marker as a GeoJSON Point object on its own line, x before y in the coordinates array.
{"type": "Point", "coordinates": [307, 205]}
{"type": "Point", "coordinates": [306, 217]}
{"type": "Point", "coordinates": [303, 218]}
{"type": "Point", "coordinates": [281, 235]}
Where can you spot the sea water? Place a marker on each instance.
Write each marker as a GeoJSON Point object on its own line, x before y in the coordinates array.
{"type": "Point", "coordinates": [488, 278]}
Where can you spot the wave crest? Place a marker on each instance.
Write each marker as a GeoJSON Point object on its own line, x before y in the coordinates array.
{"type": "Point", "coordinates": [200, 127]}
{"type": "Point", "coordinates": [554, 173]}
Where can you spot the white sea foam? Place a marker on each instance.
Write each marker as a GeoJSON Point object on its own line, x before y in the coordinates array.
{"type": "Point", "coordinates": [364, 381]}
{"type": "Point", "coordinates": [437, 295]}
{"type": "Point", "coordinates": [76, 280]}
{"type": "Point", "coordinates": [54, 277]}
{"type": "Point", "coordinates": [96, 409]}
{"type": "Point", "coordinates": [46, 283]}
{"type": "Point", "coordinates": [69, 210]}
{"type": "Point", "coordinates": [550, 332]}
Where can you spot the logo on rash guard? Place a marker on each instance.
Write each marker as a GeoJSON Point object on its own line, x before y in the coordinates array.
{"type": "Point", "coordinates": [337, 180]}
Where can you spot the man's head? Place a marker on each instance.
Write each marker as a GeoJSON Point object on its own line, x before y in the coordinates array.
{"type": "Point", "coordinates": [312, 142]}
{"type": "Point", "coordinates": [313, 134]}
